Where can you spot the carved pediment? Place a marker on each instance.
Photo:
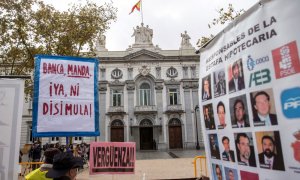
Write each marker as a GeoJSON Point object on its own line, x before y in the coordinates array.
{"type": "Point", "coordinates": [144, 55]}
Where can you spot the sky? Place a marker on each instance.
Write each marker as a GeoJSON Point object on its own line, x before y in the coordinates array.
{"type": "Point", "coordinates": [167, 18]}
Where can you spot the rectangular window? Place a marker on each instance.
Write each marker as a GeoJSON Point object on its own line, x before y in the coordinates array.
{"type": "Point", "coordinates": [144, 97]}
{"type": "Point", "coordinates": [116, 98]}
{"type": "Point", "coordinates": [173, 95]}
{"type": "Point", "coordinates": [78, 138]}
{"type": "Point", "coordinates": [54, 139]}
{"type": "Point", "coordinates": [31, 138]}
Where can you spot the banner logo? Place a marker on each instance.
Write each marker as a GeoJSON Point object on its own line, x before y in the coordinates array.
{"type": "Point", "coordinates": [296, 146]}
{"type": "Point", "coordinates": [290, 102]}
{"type": "Point", "coordinates": [252, 63]}
{"type": "Point", "coordinates": [260, 77]}
{"type": "Point", "coordinates": [286, 60]}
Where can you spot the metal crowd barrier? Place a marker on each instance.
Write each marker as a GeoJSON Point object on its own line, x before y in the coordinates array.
{"type": "Point", "coordinates": [203, 166]}
{"type": "Point", "coordinates": [26, 167]}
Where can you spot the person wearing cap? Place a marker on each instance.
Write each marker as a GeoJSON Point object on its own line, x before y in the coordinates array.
{"type": "Point", "coordinates": [40, 173]}
{"type": "Point", "coordinates": [65, 166]}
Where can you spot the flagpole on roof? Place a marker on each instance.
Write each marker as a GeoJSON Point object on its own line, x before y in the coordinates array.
{"type": "Point", "coordinates": [142, 11]}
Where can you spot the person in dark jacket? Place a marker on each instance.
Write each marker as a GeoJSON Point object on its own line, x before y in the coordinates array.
{"type": "Point", "coordinates": [36, 152]}
{"type": "Point", "coordinates": [65, 166]}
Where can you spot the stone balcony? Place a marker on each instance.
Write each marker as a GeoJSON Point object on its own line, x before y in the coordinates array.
{"type": "Point", "coordinates": [145, 109]}
{"type": "Point", "coordinates": [116, 110]}
{"type": "Point", "coordinates": [174, 109]}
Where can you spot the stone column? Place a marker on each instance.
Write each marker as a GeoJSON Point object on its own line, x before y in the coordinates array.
{"type": "Point", "coordinates": [189, 126]}
{"type": "Point", "coordinates": [161, 144]}
{"type": "Point", "coordinates": [130, 86]}
{"type": "Point", "coordinates": [185, 72]}
{"type": "Point", "coordinates": [193, 71]}
{"type": "Point", "coordinates": [195, 95]}
{"type": "Point", "coordinates": [102, 104]}
{"type": "Point", "coordinates": [130, 71]}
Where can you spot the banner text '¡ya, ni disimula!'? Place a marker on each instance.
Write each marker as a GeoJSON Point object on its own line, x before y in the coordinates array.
{"type": "Point", "coordinates": [61, 108]}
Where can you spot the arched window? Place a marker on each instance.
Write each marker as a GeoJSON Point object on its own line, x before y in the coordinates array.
{"type": "Point", "coordinates": [172, 72]}
{"type": "Point", "coordinates": [174, 122]}
{"type": "Point", "coordinates": [117, 123]}
{"type": "Point", "coordinates": [145, 94]}
{"type": "Point", "coordinates": [146, 122]}
{"type": "Point", "coordinates": [116, 74]}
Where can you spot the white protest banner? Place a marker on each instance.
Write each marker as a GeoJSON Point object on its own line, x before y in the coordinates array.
{"type": "Point", "coordinates": [11, 109]}
{"type": "Point", "coordinates": [112, 158]}
{"type": "Point", "coordinates": [250, 94]}
{"type": "Point", "coordinates": [65, 96]}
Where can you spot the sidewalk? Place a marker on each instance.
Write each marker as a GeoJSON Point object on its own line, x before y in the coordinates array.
{"type": "Point", "coordinates": [155, 165]}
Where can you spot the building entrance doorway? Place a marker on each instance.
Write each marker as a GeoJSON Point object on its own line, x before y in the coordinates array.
{"type": "Point", "coordinates": [117, 131]}
{"type": "Point", "coordinates": [175, 134]}
{"type": "Point", "coordinates": [146, 135]}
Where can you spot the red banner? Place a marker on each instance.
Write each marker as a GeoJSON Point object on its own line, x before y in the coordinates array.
{"type": "Point", "coordinates": [112, 158]}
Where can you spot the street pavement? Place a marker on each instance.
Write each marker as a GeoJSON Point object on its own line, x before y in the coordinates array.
{"type": "Point", "coordinates": [174, 164]}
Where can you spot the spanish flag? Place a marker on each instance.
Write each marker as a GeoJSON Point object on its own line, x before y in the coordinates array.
{"type": "Point", "coordinates": [136, 6]}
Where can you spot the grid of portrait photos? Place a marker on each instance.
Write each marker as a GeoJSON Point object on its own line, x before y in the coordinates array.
{"type": "Point", "coordinates": [243, 112]}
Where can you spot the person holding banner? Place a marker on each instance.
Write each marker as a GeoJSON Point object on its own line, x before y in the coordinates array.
{"type": "Point", "coordinates": [237, 81]}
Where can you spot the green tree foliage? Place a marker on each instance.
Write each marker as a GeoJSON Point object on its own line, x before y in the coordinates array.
{"type": "Point", "coordinates": [30, 27]}
{"type": "Point", "coordinates": [227, 15]}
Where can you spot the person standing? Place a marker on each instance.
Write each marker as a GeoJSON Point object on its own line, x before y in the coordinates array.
{"type": "Point", "coordinates": [65, 166]}
{"type": "Point", "coordinates": [36, 152]}
{"type": "Point", "coordinates": [40, 173]}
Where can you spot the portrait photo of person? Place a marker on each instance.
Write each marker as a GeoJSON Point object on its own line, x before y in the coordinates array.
{"type": "Point", "coordinates": [236, 77]}
{"type": "Point", "coordinates": [230, 173]}
{"type": "Point", "coordinates": [239, 112]}
{"type": "Point", "coordinates": [227, 154]}
{"type": "Point", "coordinates": [244, 149]}
{"type": "Point", "coordinates": [221, 115]}
{"type": "Point", "coordinates": [206, 88]}
{"type": "Point", "coordinates": [214, 146]}
{"type": "Point", "coordinates": [263, 108]}
{"type": "Point", "coordinates": [219, 83]}
{"type": "Point", "coordinates": [269, 149]}
{"type": "Point", "coordinates": [209, 117]}
{"type": "Point", "coordinates": [217, 171]}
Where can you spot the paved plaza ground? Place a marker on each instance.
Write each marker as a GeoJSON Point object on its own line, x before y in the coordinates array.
{"type": "Point", "coordinates": [175, 164]}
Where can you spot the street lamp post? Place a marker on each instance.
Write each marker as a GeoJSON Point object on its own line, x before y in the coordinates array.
{"type": "Point", "coordinates": [197, 145]}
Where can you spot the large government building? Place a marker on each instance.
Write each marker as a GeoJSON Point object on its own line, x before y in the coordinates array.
{"type": "Point", "coordinates": [146, 95]}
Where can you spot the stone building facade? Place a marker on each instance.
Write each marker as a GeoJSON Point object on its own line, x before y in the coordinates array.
{"type": "Point", "coordinates": [146, 95]}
